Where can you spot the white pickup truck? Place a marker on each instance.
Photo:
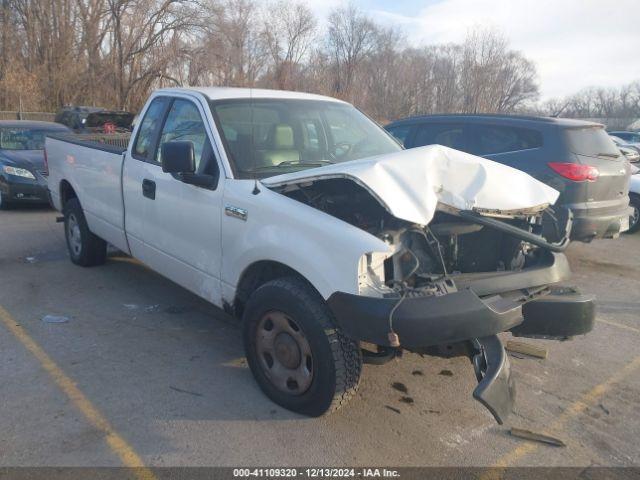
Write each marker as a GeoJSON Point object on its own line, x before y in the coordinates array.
{"type": "Point", "coordinates": [302, 217]}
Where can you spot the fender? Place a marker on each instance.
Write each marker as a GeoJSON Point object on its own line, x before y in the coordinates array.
{"type": "Point", "coordinates": [322, 248]}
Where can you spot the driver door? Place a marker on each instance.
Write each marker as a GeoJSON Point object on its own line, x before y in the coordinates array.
{"type": "Point", "coordinates": [182, 225]}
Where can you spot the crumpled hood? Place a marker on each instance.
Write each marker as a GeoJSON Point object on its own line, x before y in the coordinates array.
{"type": "Point", "coordinates": [411, 183]}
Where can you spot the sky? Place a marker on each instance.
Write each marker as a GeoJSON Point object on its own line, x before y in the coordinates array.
{"type": "Point", "coordinates": [574, 43]}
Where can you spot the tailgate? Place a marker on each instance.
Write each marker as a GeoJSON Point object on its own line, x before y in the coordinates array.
{"type": "Point", "coordinates": [593, 146]}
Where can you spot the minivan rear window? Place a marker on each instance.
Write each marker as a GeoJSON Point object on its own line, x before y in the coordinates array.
{"type": "Point", "coordinates": [592, 142]}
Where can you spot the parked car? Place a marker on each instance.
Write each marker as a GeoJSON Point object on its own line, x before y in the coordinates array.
{"type": "Point", "coordinates": [95, 119]}
{"type": "Point", "coordinates": [22, 167]}
{"type": "Point", "coordinates": [75, 116]}
{"type": "Point", "coordinates": [634, 203]}
{"type": "Point", "coordinates": [629, 137]}
{"type": "Point", "coordinates": [624, 144]}
{"type": "Point", "coordinates": [630, 154]}
{"type": "Point", "coordinates": [108, 121]}
{"type": "Point", "coordinates": [576, 158]}
{"type": "Point", "coordinates": [302, 217]}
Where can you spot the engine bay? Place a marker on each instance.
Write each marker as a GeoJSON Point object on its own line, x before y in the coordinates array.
{"type": "Point", "coordinates": [425, 255]}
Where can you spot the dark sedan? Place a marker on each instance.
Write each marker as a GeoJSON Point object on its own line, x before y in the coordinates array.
{"type": "Point", "coordinates": [22, 163]}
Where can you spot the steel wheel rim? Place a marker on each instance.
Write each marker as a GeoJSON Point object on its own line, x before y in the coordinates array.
{"type": "Point", "coordinates": [635, 216]}
{"type": "Point", "coordinates": [284, 353]}
{"type": "Point", "coordinates": [74, 235]}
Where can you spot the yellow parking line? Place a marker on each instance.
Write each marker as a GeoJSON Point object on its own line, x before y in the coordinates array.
{"type": "Point", "coordinates": [573, 410]}
{"type": "Point", "coordinates": [619, 325]}
{"type": "Point", "coordinates": [117, 444]}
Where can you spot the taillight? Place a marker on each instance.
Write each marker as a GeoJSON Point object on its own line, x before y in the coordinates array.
{"type": "Point", "coordinates": [46, 164]}
{"type": "Point", "coordinates": [575, 171]}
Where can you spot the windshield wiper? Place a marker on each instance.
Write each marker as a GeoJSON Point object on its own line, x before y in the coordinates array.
{"type": "Point", "coordinates": [611, 155]}
{"type": "Point", "coordinates": [314, 163]}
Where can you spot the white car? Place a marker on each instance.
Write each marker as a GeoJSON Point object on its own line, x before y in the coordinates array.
{"type": "Point", "coordinates": [306, 220]}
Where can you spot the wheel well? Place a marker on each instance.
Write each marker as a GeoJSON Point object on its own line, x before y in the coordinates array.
{"type": "Point", "coordinates": [66, 192]}
{"type": "Point", "coordinates": [256, 275]}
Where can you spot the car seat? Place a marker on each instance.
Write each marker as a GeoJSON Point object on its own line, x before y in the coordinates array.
{"type": "Point", "coordinates": [281, 146]}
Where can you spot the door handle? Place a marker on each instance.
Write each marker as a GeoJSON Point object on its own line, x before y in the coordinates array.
{"type": "Point", "coordinates": [149, 189]}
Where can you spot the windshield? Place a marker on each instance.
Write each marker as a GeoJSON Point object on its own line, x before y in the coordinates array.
{"type": "Point", "coordinates": [20, 138]}
{"type": "Point", "coordinates": [591, 141]}
{"type": "Point", "coordinates": [266, 137]}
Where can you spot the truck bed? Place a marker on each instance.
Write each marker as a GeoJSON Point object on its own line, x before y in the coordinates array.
{"type": "Point", "coordinates": [90, 165]}
{"type": "Point", "coordinates": [113, 143]}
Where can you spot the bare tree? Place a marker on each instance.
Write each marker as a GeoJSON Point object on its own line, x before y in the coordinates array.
{"type": "Point", "coordinates": [141, 35]}
{"type": "Point", "coordinates": [234, 52]}
{"type": "Point", "coordinates": [288, 33]}
{"type": "Point", "coordinates": [350, 39]}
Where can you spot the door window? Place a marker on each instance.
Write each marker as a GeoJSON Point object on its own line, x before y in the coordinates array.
{"type": "Point", "coordinates": [143, 148]}
{"type": "Point", "coordinates": [449, 135]}
{"type": "Point", "coordinates": [184, 124]}
{"type": "Point", "coordinates": [400, 133]}
{"type": "Point", "coordinates": [493, 139]}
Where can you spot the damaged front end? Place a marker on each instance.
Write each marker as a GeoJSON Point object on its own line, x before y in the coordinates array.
{"type": "Point", "coordinates": [450, 286]}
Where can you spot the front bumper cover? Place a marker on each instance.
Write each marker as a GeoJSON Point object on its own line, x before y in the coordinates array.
{"type": "Point", "coordinates": [469, 317]}
{"type": "Point", "coordinates": [18, 189]}
{"type": "Point", "coordinates": [484, 304]}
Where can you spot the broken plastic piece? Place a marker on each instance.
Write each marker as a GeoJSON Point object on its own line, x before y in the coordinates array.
{"type": "Point", "coordinates": [55, 319]}
{"type": "Point", "coordinates": [526, 348]}
{"type": "Point", "coordinates": [537, 437]}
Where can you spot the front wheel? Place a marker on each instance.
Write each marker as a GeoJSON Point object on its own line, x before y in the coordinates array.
{"type": "Point", "coordinates": [299, 357]}
{"type": "Point", "coordinates": [634, 218]}
{"type": "Point", "coordinates": [85, 248]}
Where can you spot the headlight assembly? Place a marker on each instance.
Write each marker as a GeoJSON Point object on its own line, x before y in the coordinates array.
{"type": "Point", "coordinates": [19, 172]}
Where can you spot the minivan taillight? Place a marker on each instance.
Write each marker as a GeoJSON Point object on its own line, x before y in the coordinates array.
{"type": "Point", "coordinates": [575, 171]}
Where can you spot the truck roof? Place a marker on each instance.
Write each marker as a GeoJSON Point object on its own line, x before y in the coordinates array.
{"type": "Point", "coordinates": [225, 93]}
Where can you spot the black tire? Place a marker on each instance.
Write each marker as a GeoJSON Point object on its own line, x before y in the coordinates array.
{"type": "Point", "coordinates": [85, 248]}
{"type": "Point", "coordinates": [634, 221]}
{"type": "Point", "coordinates": [336, 359]}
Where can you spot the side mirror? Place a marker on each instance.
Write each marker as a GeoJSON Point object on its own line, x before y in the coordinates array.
{"type": "Point", "coordinates": [178, 157]}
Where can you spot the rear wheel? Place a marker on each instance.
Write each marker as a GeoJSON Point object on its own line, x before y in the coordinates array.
{"type": "Point", "coordinates": [298, 356]}
{"type": "Point", "coordinates": [634, 218]}
{"type": "Point", "coordinates": [85, 248]}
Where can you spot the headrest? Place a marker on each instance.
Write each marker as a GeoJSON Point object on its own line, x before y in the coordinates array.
{"type": "Point", "coordinates": [283, 137]}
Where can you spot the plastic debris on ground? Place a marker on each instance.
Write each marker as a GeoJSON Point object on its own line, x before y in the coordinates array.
{"type": "Point", "coordinates": [537, 437]}
{"type": "Point", "coordinates": [55, 319]}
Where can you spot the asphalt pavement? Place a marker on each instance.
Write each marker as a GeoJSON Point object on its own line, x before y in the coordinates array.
{"type": "Point", "coordinates": [140, 371]}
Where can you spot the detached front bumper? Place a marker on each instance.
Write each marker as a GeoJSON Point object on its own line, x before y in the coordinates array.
{"type": "Point", "coordinates": [483, 306]}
